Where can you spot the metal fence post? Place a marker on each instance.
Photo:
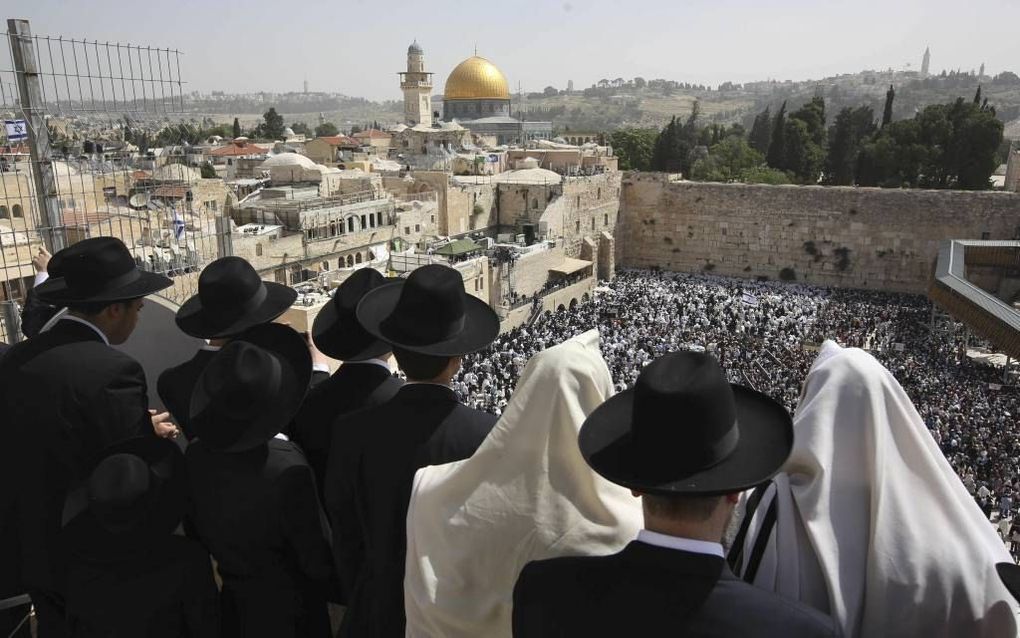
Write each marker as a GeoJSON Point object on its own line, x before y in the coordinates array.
{"type": "Point", "coordinates": [224, 241]}
{"type": "Point", "coordinates": [11, 320]}
{"type": "Point", "coordinates": [32, 105]}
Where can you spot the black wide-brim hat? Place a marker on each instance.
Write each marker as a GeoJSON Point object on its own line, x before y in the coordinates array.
{"type": "Point", "coordinates": [232, 298]}
{"type": "Point", "coordinates": [159, 511]}
{"type": "Point", "coordinates": [1010, 576]}
{"type": "Point", "coordinates": [683, 429]}
{"type": "Point", "coordinates": [99, 270]}
{"type": "Point", "coordinates": [429, 313]}
{"type": "Point", "coordinates": [336, 330]}
{"type": "Point", "coordinates": [251, 388]}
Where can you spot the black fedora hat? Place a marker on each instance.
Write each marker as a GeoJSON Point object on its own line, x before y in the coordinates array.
{"type": "Point", "coordinates": [684, 429]}
{"type": "Point", "coordinates": [336, 331]}
{"type": "Point", "coordinates": [232, 298]}
{"type": "Point", "coordinates": [429, 313]}
{"type": "Point", "coordinates": [1010, 576]}
{"type": "Point", "coordinates": [100, 269]}
{"type": "Point", "coordinates": [251, 388]}
{"type": "Point", "coordinates": [138, 487]}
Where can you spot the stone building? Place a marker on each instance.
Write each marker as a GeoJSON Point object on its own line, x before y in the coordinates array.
{"type": "Point", "coordinates": [416, 83]}
{"type": "Point", "coordinates": [477, 96]}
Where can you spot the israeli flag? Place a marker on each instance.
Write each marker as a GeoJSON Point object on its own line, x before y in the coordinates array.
{"type": "Point", "coordinates": [16, 130]}
{"type": "Point", "coordinates": [178, 226]}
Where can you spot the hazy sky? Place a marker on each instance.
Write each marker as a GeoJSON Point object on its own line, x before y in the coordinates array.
{"type": "Point", "coordinates": [357, 46]}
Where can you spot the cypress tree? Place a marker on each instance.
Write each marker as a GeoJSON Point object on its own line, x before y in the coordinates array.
{"type": "Point", "coordinates": [887, 113]}
{"type": "Point", "coordinates": [237, 128]}
{"type": "Point", "coordinates": [977, 96]}
{"type": "Point", "coordinates": [761, 132]}
{"type": "Point", "coordinates": [776, 157]}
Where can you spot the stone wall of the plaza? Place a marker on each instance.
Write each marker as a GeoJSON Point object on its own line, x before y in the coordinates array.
{"type": "Point", "coordinates": [849, 237]}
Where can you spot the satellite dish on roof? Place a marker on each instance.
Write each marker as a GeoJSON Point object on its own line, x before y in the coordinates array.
{"type": "Point", "coordinates": [139, 200]}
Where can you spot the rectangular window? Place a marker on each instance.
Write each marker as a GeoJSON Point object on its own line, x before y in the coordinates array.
{"type": "Point", "coordinates": [577, 226]}
{"type": "Point", "coordinates": [605, 219]}
{"type": "Point", "coordinates": [417, 228]}
{"type": "Point", "coordinates": [986, 235]}
{"type": "Point", "coordinates": [407, 230]}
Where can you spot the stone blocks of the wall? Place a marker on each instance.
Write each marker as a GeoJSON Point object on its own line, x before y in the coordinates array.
{"type": "Point", "coordinates": [851, 237]}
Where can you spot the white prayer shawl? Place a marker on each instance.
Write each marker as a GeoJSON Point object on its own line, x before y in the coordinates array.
{"type": "Point", "coordinates": [873, 526]}
{"type": "Point", "coordinates": [526, 494]}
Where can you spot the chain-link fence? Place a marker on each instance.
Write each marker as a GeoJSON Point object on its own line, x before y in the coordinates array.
{"type": "Point", "coordinates": [82, 155]}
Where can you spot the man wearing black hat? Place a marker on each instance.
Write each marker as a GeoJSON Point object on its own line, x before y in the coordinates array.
{"type": "Point", "coordinates": [128, 574]}
{"type": "Point", "coordinates": [364, 380]}
{"type": "Point", "coordinates": [65, 396]}
{"type": "Point", "coordinates": [431, 322]}
{"type": "Point", "coordinates": [254, 502]}
{"type": "Point", "coordinates": [231, 298]}
{"type": "Point", "coordinates": [688, 443]}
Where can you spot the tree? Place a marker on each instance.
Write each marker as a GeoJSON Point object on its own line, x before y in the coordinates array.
{"type": "Point", "coordinates": [731, 159]}
{"type": "Point", "coordinates": [237, 128]}
{"type": "Point", "coordinates": [977, 96]}
{"type": "Point", "coordinates": [852, 128]}
{"type": "Point", "coordinates": [300, 128]}
{"type": "Point", "coordinates": [761, 132]}
{"type": "Point", "coordinates": [550, 91]}
{"type": "Point", "coordinates": [272, 128]}
{"type": "Point", "coordinates": [355, 129]}
{"type": "Point", "coordinates": [890, 95]}
{"type": "Point", "coordinates": [640, 82]}
{"type": "Point", "coordinates": [776, 156]}
{"type": "Point", "coordinates": [326, 129]}
{"type": "Point", "coordinates": [634, 147]}
{"type": "Point", "coordinates": [803, 157]}
{"type": "Point", "coordinates": [208, 172]}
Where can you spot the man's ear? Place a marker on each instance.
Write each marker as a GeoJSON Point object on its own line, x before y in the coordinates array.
{"type": "Point", "coordinates": [733, 498]}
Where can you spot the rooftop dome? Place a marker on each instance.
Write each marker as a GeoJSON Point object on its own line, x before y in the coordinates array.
{"type": "Point", "coordinates": [288, 159]}
{"type": "Point", "coordinates": [476, 79]}
{"type": "Point", "coordinates": [414, 49]}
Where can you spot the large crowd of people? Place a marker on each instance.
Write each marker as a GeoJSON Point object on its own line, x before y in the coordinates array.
{"type": "Point", "coordinates": [765, 335]}
{"type": "Point", "coordinates": [679, 455]}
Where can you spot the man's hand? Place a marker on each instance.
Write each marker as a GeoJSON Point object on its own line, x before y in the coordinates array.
{"type": "Point", "coordinates": [163, 426]}
{"type": "Point", "coordinates": [41, 260]}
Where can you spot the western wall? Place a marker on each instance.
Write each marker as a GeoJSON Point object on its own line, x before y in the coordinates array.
{"type": "Point", "coordinates": [884, 239]}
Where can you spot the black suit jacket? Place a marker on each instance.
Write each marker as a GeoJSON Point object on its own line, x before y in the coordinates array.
{"type": "Point", "coordinates": [653, 591]}
{"type": "Point", "coordinates": [259, 516]}
{"type": "Point", "coordinates": [372, 461]}
{"type": "Point", "coordinates": [176, 384]}
{"type": "Point", "coordinates": [130, 585]}
{"type": "Point", "coordinates": [64, 396]}
{"type": "Point", "coordinates": [352, 387]}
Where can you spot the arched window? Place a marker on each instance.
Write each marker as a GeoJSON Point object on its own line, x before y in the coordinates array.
{"type": "Point", "coordinates": [350, 261]}
{"type": "Point", "coordinates": [3, 212]}
{"type": "Point", "coordinates": [357, 258]}
{"type": "Point", "coordinates": [325, 265]}
{"type": "Point", "coordinates": [17, 211]}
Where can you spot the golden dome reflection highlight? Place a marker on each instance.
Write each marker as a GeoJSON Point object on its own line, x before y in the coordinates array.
{"type": "Point", "coordinates": [476, 79]}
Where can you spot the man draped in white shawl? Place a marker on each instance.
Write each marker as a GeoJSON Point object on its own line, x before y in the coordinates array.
{"type": "Point", "coordinates": [868, 522]}
{"type": "Point", "coordinates": [526, 494]}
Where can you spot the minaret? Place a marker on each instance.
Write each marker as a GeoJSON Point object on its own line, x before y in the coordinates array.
{"type": "Point", "coordinates": [416, 84]}
{"type": "Point", "coordinates": [925, 62]}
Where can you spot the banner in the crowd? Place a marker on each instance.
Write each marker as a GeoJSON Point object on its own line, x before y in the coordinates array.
{"type": "Point", "coordinates": [17, 130]}
{"type": "Point", "coordinates": [749, 300]}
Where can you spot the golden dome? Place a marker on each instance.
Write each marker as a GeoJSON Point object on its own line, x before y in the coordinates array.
{"type": "Point", "coordinates": [476, 79]}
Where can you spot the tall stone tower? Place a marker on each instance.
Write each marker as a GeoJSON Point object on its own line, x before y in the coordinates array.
{"type": "Point", "coordinates": [925, 62]}
{"type": "Point", "coordinates": [416, 83]}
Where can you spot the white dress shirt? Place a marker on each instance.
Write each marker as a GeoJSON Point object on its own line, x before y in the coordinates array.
{"type": "Point", "coordinates": [680, 543]}
{"type": "Point", "coordinates": [90, 325]}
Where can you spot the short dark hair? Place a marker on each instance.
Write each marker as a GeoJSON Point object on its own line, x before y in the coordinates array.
{"type": "Point", "coordinates": [90, 308]}
{"type": "Point", "coordinates": [420, 367]}
{"type": "Point", "coordinates": [687, 507]}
